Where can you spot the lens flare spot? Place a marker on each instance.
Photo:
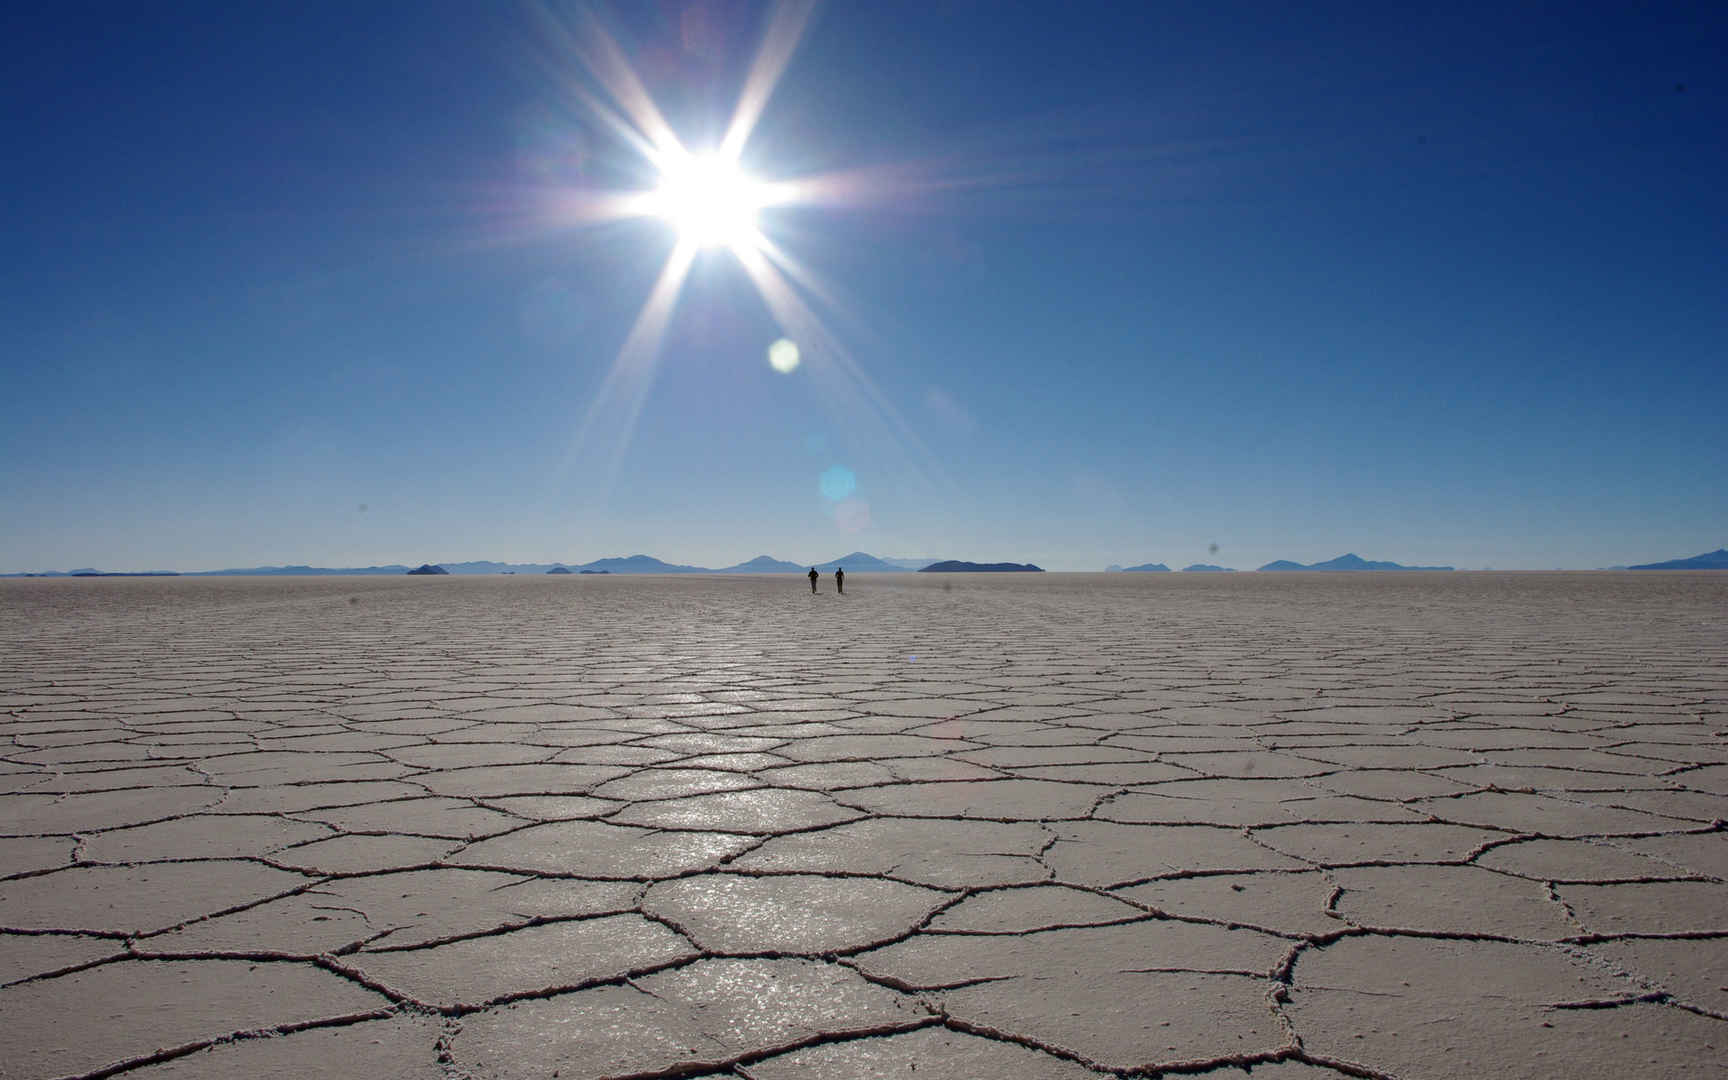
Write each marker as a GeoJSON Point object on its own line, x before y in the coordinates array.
{"type": "Point", "coordinates": [783, 356]}
{"type": "Point", "coordinates": [837, 483]}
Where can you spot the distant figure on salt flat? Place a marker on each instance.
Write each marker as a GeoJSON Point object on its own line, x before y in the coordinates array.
{"type": "Point", "coordinates": [840, 579]}
{"type": "Point", "coordinates": [813, 577]}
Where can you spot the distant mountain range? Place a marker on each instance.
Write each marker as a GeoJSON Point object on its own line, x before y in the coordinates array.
{"type": "Point", "coordinates": [1349, 561]}
{"type": "Point", "coordinates": [857, 561]}
{"type": "Point", "coordinates": [1710, 560]}
{"type": "Point", "coordinates": [764, 564]}
{"type": "Point", "coordinates": [959, 566]}
{"type": "Point", "coordinates": [629, 564]}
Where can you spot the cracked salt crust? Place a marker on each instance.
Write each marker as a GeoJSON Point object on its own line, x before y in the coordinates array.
{"type": "Point", "coordinates": [492, 828]}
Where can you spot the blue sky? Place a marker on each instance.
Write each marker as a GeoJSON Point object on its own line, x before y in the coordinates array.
{"type": "Point", "coordinates": [1127, 281]}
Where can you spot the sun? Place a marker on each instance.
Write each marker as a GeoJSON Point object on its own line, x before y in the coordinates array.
{"type": "Point", "coordinates": [710, 201]}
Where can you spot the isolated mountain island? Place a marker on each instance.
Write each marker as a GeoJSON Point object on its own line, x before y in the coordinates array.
{"type": "Point", "coordinates": [1207, 568]}
{"type": "Point", "coordinates": [1145, 568]}
{"type": "Point", "coordinates": [428, 568]}
{"type": "Point", "coordinates": [764, 564]}
{"type": "Point", "coordinates": [959, 566]}
{"type": "Point", "coordinates": [559, 570]}
{"type": "Point", "coordinates": [642, 564]}
{"type": "Point", "coordinates": [1350, 561]}
{"type": "Point", "coordinates": [858, 560]}
{"type": "Point", "coordinates": [1710, 560]}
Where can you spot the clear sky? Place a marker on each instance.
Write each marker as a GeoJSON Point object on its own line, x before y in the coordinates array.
{"type": "Point", "coordinates": [1088, 284]}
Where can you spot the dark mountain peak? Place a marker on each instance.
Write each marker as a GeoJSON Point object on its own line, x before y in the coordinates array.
{"type": "Point", "coordinates": [763, 564]}
{"type": "Point", "coordinates": [1347, 561]}
{"type": "Point", "coordinates": [960, 566]}
{"type": "Point", "coordinates": [1710, 560]}
{"type": "Point", "coordinates": [857, 560]}
{"type": "Point", "coordinates": [428, 568]}
{"type": "Point", "coordinates": [641, 564]}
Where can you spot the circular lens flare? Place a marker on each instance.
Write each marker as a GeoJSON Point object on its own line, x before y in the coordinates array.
{"type": "Point", "coordinates": [709, 200]}
{"type": "Point", "coordinates": [783, 356]}
{"type": "Point", "coordinates": [837, 483]}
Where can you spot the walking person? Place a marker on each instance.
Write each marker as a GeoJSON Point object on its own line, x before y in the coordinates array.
{"type": "Point", "coordinates": [840, 580]}
{"type": "Point", "coordinates": [813, 576]}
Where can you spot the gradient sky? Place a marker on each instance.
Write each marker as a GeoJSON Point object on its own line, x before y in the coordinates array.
{"type": "Point", "coordinates": [1128, 279]}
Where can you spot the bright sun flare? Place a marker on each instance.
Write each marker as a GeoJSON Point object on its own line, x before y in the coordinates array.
{"type": "Point", "coordinates": [710, 201]}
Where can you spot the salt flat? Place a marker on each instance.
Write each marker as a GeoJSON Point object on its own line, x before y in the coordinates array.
{"type": "Point", "coordinates": [1010, 826]}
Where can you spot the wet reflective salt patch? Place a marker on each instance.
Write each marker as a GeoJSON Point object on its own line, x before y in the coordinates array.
{"type": "Point", "coordinates": [600, 850]}
{"type": "Point", "coordinates": [705, 1015]}
{"type": "Point", "coordinates": [937, 853]}
{"type": "Point", "coordinates": [936, 1051]}
{"type": "Point", "coordinates": [510, 963]}
{"type": "Point", "coordinates": [395, 910]}
{"type": "Point", "coordinates": [934, 961]}
{"type": "Point", "coordinates": [790, 913]}
{"type": "Point", "coordinates": [759, 811]}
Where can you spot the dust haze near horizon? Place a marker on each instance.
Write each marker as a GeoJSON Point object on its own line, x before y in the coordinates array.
{"type": "Point", "coordinates": [1084, 286]}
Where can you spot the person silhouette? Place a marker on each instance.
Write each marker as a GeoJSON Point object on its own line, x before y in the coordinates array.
{"type": "Point", "coordinates": [813, 576]}
{"type": "Point", "coordinates": [840, 580]}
